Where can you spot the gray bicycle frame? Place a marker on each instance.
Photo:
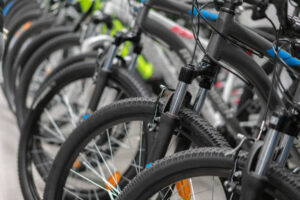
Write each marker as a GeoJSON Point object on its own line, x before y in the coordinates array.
{"type": "Point", "coordinates": [220, 49]}
{"type": "Point", "coordinates": [249, 69]}
{"type": "Point", "coordinates": [224, 51]}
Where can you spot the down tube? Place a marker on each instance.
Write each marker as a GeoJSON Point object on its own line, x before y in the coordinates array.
{"type": "Point", "coordinates": [164, 34]}
{"type": "Point", "coordinates": [251, 71]}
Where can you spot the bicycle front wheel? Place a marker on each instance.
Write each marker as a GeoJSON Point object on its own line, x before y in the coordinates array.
{"type": "Point", "coordinates": [107, 150]}
{"type": "Point", "coordinates": [60, 106]}
{"type": "Point", "coordinates": [199, 174]}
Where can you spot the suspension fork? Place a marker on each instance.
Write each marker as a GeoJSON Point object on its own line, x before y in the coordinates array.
{"type": "Point", "coordinates": [208, 72]}
{"type": "Point", "coordinates": [282, 126]}
{"type": "Point", "coordinates": [200, 99]}
{"type": "Point", "coordinates": [104, 72]}
{"type": "Point", "coordinates": [169, 119]}
{"type": "Point", "coordinates": [285, 147]}
{"type": "Point", "coordinates": [137, 50]}
{"type": "Point", "coordinates": [101, 79]}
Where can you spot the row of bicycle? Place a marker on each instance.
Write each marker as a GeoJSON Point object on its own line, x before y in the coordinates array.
{"type": "Point", "coordinates": [104, 90]}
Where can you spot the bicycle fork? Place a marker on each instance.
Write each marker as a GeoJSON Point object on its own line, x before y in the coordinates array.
{"type": "Point", "coordinates": [101, 79]}
{"type": "Point", "coordinates": [169, 118]}
{"type": "Point", "coordinates": [103, 73]}
{"type": "Point", "coordinates": [274, 148]}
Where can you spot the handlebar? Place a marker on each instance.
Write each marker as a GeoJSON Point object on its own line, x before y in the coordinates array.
{"type": "Point", "coordinates": [178, 7]}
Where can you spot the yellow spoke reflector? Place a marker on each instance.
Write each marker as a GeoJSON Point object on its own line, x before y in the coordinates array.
{"type": "Point", "coordinates": [183, 189]}
{"type": "Point", "coordinates": [113, 180]}
{"type": "Point", "coordinates": [76, 164]}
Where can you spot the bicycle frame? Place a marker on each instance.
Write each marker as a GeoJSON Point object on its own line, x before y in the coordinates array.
{"type": "Point", "coordinates": [157, 28]}
{"type": "Point", "coordinates": [221, 50]}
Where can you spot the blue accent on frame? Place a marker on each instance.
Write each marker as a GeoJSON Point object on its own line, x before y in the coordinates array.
{"type": "Point", "coordinates": [143, 1]}
{"type": "Point", "coordinates": [207, 15]}
{"type": "Point", "coordinates": [86, 116]}
{"type": "Point", "coordinates": [7, 7]}
{"type": "Point", "coordinates": [271, 52]}
{"type": "Point", "coordinates": [285, 56]}
{"type": "Point", "coordinates": [292, 62]}
{"type": "Point", "coordinates": [148, 165]}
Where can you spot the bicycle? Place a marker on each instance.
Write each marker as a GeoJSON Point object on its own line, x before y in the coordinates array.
{"type": "Point", "coordinates": [81, 147]}
{"type": "Point", "coordinates": [261, 174]}
{"type": "Point", "coordinates": [68, 75]}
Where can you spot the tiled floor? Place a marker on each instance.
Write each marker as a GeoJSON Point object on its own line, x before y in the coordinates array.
{"type": "Point", "coordinates": [9, 138]}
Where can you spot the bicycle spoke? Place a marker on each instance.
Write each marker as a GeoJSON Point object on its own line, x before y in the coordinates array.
{"type": "Point", "coordinates": [70, 109]}
{"type": "Point", "coordinates": [192, 188]}
{"type": "Point", "coordinates": [72, 193]}
{"type": "Point", "coordinates": [110, 149]}
{"type": "Point", "coordinates": [134, 163]}
{"type": "Point", "coordinates": [140, 146]}
{"type": "Point", "coordinates": [105, 163]}
{"type": "Point", "coordinates": [90, 181]}
{"type": "Point", "coordinates": [53, 133]}
{"type": "Point", "coordinates": [54, 124]}
{"type": "Point", "coordinates": [213, 187]}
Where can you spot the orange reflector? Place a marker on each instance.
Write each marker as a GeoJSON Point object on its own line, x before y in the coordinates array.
{"type": "Point", "coordinates": [183, 189]}
{"type": "Point", "coordinates": [48, 70]}
{"type": "Point", "coordinates": [76, 164]}
{"type": "Point", "coordinates": [23, 28]}
{"type": "Point", "coordinates": [26, 26]}
{"type": "Point", "coordinates": [113, 180]}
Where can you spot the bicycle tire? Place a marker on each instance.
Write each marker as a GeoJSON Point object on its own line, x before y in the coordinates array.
{"type": "Point", "coordinates": [25, 55]}
{"type": "Point", "coordinates": [135, 87]}
{"type": "Point", "coordinates": [13, 54]}
{"type": "Point", "coordinates": [22, 9]}
{"type": "Point", "coordinates": [17, 5]}
{"type": "Point", "coordinates": [203, 133]}
{"type": "Point", "coordinates": [15, 73]}
{"type": "Point", "coordinates": [204, 162]}
{"type": "Point", "coordinates": [16, 26]}
{"type": "Point", "coordinates": [60, 42]}
{"type": "Point", "coordinates": [69, 62]}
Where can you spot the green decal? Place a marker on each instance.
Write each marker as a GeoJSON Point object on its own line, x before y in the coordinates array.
{"type": "Point", "coordinates": [86, 4]}
{"type": "Point", "coordinates": [144, 68]}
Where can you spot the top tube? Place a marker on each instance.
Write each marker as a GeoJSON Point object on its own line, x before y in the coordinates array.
{"type": "Point", "coordinates": [177, 7]}
{"type": "Point", "coordinates": [285, 56]}
{"type": "Point", "coordinates": [207, 15]}
{"type": "Point", "coordinates": [183, 8]}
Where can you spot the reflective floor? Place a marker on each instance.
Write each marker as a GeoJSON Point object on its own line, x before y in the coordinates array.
{"type": "Point", "coordinates": [9, 138]}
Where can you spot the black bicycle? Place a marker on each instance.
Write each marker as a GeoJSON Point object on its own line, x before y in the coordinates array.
{"type": "Point", "coordinates": [157, 127]}
{"type": "Point", "coordinates": [65, 99]}
{"type": "Point", "coordinates": [232, 174]}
